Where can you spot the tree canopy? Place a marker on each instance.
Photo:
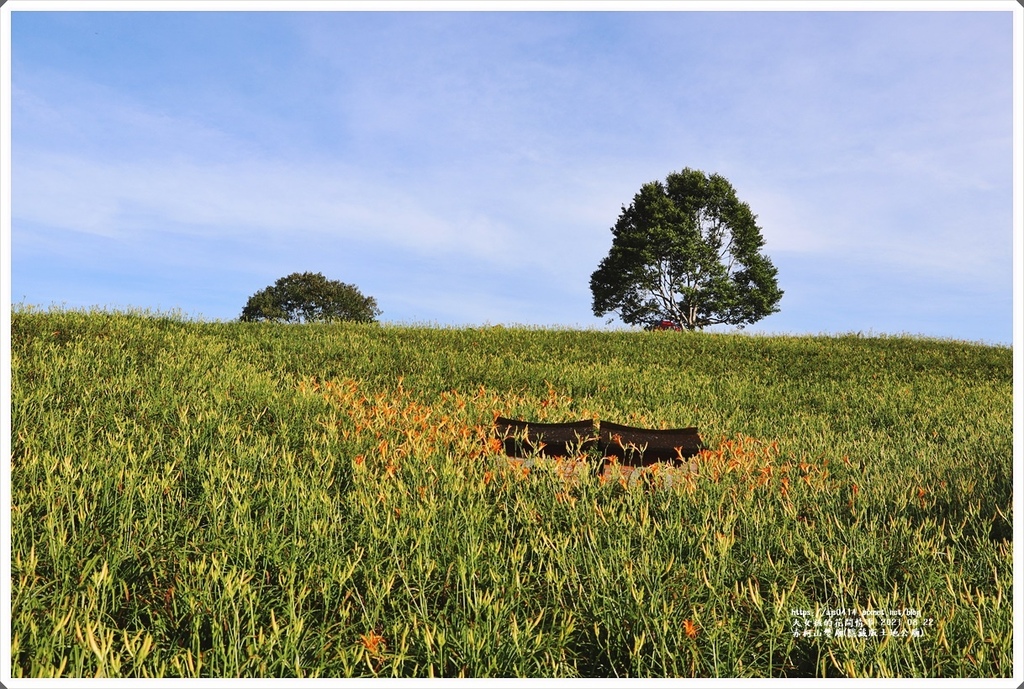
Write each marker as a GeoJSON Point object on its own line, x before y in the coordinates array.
{"type": "Point", "coordinates": [686, 250]}
{"type": "Point", "coordinates": [309, 297]}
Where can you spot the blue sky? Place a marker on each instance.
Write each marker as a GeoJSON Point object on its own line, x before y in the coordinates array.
{"type": "Point", "coordinates": [466, 167]}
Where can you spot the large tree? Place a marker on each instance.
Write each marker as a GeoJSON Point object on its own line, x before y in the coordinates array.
{"type": "Point", "coordinates": [686, 250]}
{"type": "Point", "coordinates": [307, 297]}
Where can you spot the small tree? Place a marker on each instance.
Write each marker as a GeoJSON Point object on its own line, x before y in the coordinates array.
{"type": "Point", "coordinates": [308, 297]}
{"type": "Point", "coordinates": [686, 250]}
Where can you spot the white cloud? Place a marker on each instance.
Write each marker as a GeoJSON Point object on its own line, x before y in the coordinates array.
{"type": "Point", "coordinates": [787, 222]}
{"type": "Point", "coordinates": [910, 235]}
{"type": "Point", "coordinates": [256, 197]}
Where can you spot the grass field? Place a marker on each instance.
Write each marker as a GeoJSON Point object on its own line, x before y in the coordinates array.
{"type": "Point", "coordinates": [226, 499]}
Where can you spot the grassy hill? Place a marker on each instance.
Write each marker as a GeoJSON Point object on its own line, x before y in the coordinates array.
{"type": "Point", "coordinates": [227, 499]}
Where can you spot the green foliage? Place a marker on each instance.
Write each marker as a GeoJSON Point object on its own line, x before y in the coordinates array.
{"type": "Point", "coordinates": [258, 500]}
{"type": "Point", "coordinates": [309, 297]}
{"type": "Point", "coordinates": [687, 251]}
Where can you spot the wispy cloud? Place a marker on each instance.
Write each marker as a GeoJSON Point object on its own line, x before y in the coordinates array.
{"type": "Point", "coordinates": [254, 198]}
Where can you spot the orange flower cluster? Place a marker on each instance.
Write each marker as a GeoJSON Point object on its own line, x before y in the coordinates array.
{"type": "Point", "coordinates": [373, 642]}
{"type": "Point", "coordinates": [553, 401]}
{"type": "Point", "coordinates": [746, 457]}
{"type": "Point", "coordinates": [394, 426]}
{"type": "Point", "coordinates": [758, 464]}
{"type": "Point", "coordinates": [391, 427]}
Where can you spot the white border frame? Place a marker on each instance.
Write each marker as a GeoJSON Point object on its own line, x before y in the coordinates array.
{"type": "Point", "coordinates": [505, 5]}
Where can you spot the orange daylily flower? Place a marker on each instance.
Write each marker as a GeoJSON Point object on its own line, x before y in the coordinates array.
{"type": "Point", "coordinates": [373, 642]}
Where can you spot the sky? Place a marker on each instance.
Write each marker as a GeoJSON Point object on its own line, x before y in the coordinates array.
{"type": "Point", "coordinates": [466, 167]}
